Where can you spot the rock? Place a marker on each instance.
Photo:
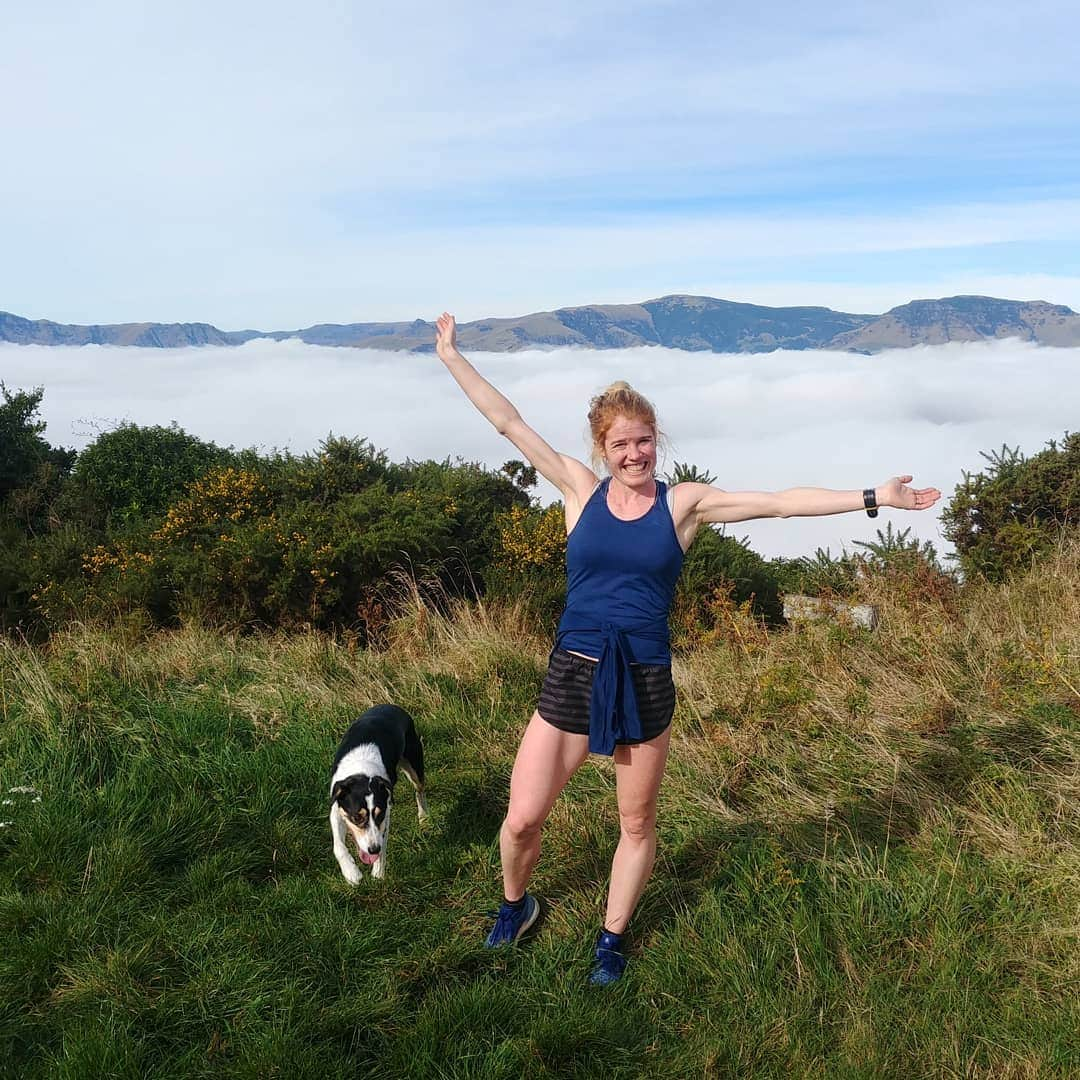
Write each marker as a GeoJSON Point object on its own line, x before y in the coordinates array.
{"type": "Point", "coordinates": [815, 608]}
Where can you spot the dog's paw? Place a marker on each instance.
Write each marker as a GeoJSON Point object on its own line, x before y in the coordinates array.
{"type": "Point", "coordinates": [378, 869]}
{"type": "Point", "coordinates": [350, 872]}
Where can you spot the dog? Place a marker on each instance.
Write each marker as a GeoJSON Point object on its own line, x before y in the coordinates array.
{"type": "Point", "coordinates": [362, 785]}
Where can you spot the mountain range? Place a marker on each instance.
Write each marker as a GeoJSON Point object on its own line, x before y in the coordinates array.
{"type": "Point", "coordinates": [698, 323]}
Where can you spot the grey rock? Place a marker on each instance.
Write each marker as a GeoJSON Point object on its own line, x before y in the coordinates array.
{"type": "Point", "coordinates": [799, 608]}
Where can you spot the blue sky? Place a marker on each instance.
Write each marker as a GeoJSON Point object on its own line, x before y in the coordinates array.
{"type": "Point", "coordinates": [276, 165]}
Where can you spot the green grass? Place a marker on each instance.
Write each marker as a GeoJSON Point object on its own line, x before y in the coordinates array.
{"type": "Point", "coordinates": [868, 858]}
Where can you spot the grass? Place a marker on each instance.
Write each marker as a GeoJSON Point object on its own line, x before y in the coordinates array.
{"type": "Point", "coordinates": [868, 856]}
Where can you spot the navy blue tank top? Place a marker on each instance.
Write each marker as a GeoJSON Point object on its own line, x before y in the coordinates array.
{"type": "Point", "coordinates": [620, 581]}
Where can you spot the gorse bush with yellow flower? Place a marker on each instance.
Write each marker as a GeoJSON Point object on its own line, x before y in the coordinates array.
{"type": "Point", "coordinates": [246, 539]}
{"type": "Point", "coordinates": [225, 494]}
{"type": "Point", "coordinates": [532, 539]}
{"type": "Point", "coordinates": [529, 563]}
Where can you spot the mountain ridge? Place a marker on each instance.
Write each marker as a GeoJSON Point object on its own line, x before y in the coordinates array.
{"type": "Point", "coordinates": [694, 323]}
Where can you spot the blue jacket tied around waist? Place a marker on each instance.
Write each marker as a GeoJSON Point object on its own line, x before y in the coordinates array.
{"type": "Point", "coordinates": [620, 581]}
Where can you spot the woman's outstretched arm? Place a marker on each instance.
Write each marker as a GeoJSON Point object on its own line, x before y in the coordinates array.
{"type": "Point", "coordinates": [572, 477]}
{"type": "Point", "coordinates": [701, 504]}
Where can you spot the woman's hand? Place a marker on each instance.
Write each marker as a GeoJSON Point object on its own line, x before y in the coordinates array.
{"type": "Point", "coordinates": [446, 336]}
{"type": "Point", "coordinates": [896, 492]}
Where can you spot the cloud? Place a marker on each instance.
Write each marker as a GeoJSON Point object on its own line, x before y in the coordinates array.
{"type": "Point", "coordinates": [763, 421]}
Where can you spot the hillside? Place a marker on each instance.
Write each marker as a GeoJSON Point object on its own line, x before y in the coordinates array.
{"type": "Point", "coordinates": [697, 323]}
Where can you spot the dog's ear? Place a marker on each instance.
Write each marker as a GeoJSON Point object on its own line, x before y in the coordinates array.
{"type": "Point", "coordinates": [338, 790]}
{"type": "Point", "coordinates": [379, 785]}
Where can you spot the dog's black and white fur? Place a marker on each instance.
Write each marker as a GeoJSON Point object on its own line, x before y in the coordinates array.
{"type": "Point", "coordinates": [361, 788]}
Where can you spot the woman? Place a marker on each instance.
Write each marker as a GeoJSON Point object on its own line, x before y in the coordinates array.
{"type": "Point", "coordinates": [608, 688]}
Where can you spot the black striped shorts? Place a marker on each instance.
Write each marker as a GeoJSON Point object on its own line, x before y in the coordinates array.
{"type": "Point", "coordinates": [567, 693]}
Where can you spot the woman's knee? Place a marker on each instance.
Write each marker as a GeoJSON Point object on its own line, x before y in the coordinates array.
{"type": "Point", "coordinates": [521, 823]}
{"type": "Point", "coordinates": [638, 825]}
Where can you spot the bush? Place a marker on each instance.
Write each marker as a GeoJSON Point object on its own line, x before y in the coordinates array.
{"type": "Point", "coordinates": [469, 498]}
{"type": "Point", "coordinates": [16, 585]}
{"type": "Point", "coordinates": [1002, 517]}
{"type": "Point", "coordinates": [529, 562]}
{"type": "Point", "coordinates": [341, 466]}
{"type": "Point", "coordinates": [22, 449]}
{"type": "Point", "coordinates": [318, 540]}
{"type": "Point", "coordinates": [133, 472]}
{"type": "Point", "coordinates": [895, 564]}
{"type": "Point", "coordinates": [721, 573]}
{"type": "Point", "coordinates": [820, 574]}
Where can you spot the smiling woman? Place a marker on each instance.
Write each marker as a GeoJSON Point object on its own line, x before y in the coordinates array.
{"type": "Point", "coordinates": [608, 688]}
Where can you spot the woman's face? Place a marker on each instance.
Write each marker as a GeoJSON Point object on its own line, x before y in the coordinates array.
{"type": "Point", "coordinates": [630, 451]}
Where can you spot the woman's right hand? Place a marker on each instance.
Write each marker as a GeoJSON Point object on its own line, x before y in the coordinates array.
{"type": "Point", "coordinates": [446, 336]}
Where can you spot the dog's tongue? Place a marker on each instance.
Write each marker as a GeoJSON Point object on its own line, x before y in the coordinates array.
{"type": "Point", "coordinates": [368, 860]}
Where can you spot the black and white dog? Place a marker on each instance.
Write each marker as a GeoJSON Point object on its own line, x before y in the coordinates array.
{"type": "Point", "coordinates": [361, 788]}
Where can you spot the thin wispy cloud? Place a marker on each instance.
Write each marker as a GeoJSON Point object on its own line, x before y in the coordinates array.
{"type": "Point", "coordinates": [763, 421]}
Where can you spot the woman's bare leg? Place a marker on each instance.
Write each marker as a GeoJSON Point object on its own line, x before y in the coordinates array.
{"type": "Point", "coordinates": [638, 772]}
{"type": "Point", "coordinates": [546, 759]}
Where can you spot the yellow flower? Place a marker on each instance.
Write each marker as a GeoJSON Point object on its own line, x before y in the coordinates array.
{"type": "Point", "coordinates": [223, 494]}
{"type": "Point", "coordinates": [532, 538]}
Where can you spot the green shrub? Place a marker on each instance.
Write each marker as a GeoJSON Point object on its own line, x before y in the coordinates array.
{"type": "Point", "coordinates": [894, 565]}
{"type": "Point", "coordinates": [720, 569]}
{"type": "Point", "coordinates": [469, 498]}
{"type": "Point", "coordinates": [896, 550]}
{"type": "Point", "coordinates": [319, 540]}
{"type": "Point", "coordinates": [341, 466]}
{"type": "Point", "coordinates": [22, 448]}
{"type": "Point", "coordinates": [820, 574]}
{"type": "Point", "coordinates": [133, 472]}
{"type": "Point", "coordinates": [1002, 517]}
{"type": "Point", "coordinates": [16, 584]}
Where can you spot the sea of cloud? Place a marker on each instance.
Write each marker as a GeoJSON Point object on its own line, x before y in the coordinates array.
{"type": "Point", "coordinates": [763, 421]}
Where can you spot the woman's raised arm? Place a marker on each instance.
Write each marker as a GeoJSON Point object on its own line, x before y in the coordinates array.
{"type": "Point", "coordinates": [572, 477]}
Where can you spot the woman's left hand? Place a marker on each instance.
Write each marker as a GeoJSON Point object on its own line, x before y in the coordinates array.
{"type": "Point", "coordinates": [896, 492]}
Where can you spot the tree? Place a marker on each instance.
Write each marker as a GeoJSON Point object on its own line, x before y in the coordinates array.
{"type": "Point", "coordinates": [523, 475]}
{"type": "Point", "coordinates": [682, 473]}
{"type": "Point", "coordinates": [22, 449]}
{"type": "Point", "coordinates": [30, 469]}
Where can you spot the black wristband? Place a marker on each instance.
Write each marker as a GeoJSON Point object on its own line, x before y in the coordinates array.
{"type": "Point", "coordinates": [869, 498]}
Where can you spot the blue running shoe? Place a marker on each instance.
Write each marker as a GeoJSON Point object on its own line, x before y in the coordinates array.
{"type": "Point", "coordinates": [610, 962]}
{"type": "Point", "coordinates": [512, 921]}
